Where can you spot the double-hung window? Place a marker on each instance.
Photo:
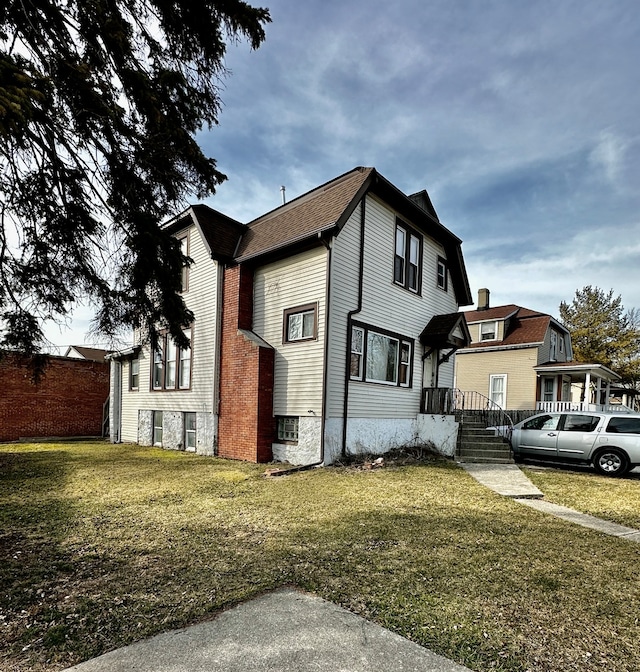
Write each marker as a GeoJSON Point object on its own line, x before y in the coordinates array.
{"type": "Point", "coordinates": [300, 324]}
{"type": "Point", "coordinates": [442, 280]}
{"type": "Point", "coordinates": [184, 249]}
{"type": "Point", "coordinates": [488, 331]}
{"type": "Point", "coordinates": [407, 259]}
{"type": "Point", "coordinates": [134, 374]}
{"type": "Point", "coordinates": [171, 364]}
{"type": "Point", "coordinates": [380, 357]}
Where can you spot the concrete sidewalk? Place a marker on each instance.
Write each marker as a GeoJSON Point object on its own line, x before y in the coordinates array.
{"type": "Point", "coordinates": [283, 631]}
{"type": "Point", "coordinates": [508, 480]}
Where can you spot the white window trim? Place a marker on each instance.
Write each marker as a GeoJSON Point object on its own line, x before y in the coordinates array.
{"type": "Point", "coordinates": [495, 327]}
{"type": "Point", "coordinates": [503, 377]}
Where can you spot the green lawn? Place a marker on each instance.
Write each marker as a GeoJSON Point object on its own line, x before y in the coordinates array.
{"type": "Point", "coordinates": [103, 545]}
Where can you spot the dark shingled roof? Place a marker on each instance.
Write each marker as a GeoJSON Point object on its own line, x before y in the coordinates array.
{"type": "Point", "coordinates": [93, 354]}
{"type": "Point", "coordinates": [321, 212]}
{"type": "Point", "coordinates": [306, 216]}
{"type": "Point", "coordinates": [499, 313]}
{"type": "Point", "coordinates": [439, 331]}
{"type": "Point", "coordinates": [525, 326]}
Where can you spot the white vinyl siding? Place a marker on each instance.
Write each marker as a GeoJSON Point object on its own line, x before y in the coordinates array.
{"type": "Point", "coordinates": [386, 306]}
{"type": "Point", "coordinates": [278, 287]}
{"type": "Point", "coordinates": [203, 301]}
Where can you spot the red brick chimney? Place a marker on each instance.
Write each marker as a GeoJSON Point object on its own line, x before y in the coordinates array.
{"type": "Point", "coordinates": [246, 426]}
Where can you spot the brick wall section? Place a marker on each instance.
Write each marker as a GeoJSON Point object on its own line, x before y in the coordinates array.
{"type": "Point", "coordinates": [67, 401]}
{"type": "Point", "coordinates": [246, 425]}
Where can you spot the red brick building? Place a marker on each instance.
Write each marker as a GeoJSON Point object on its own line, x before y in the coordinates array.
{"type": "Point", "coordinates": [67, 401]}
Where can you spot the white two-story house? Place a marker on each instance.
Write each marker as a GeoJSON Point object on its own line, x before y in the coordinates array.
{"type": "Point", "coordinates": [317, 327]}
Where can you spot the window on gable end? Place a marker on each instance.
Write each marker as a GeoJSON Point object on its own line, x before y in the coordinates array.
{"type": "Point", "coordinates": [407, 260]}
{"type": "Point", "coordinates": [183, 238]}
{"type": "Point", "coordinates": [442, 279]}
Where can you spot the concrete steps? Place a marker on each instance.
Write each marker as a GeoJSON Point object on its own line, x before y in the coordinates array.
{"type": "Point", "coordinates": [477, 445]}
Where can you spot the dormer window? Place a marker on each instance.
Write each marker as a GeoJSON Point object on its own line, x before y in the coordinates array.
{"type": "Point", "coordinates": [489, 331]}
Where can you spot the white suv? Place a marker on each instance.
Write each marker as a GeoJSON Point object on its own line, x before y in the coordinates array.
{"type": "Point", "coordinates": [609, 441]}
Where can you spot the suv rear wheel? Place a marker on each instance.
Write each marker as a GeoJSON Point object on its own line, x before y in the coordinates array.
{"type": "Point", "coordinates": [611, 462]}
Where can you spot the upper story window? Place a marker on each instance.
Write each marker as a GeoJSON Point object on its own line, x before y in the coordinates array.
{"type": "Point", "coordinates": [488, 331]}
{"type": "Point", "coordinates": [380, 357]}
{"type": "Point", "coordinates": [184, 248]}
{"type": "Point", "coordinates": [442, 275]}
{"type": "Point", "coordinates": [171, 364]}
{"type": "Point", "coordinates": [408, 258]}
{"type": "Point", "coordinates": [553, 346]}
{"type": "Point", "coordinates": [300, 324]}
{"type": "Point", "coordinates": [134, 374]}
{"type": "Point", "coordinates": [561, 344]}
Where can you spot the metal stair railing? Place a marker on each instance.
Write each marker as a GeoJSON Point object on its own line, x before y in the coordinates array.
{"type": "Point", "coordinates": [492, 414]}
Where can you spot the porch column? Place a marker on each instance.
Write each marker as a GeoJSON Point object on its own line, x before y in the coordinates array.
{"type": "Point", "coordinates": [587, 388]}
{"type": "Point", "coordinates": [608, 393]}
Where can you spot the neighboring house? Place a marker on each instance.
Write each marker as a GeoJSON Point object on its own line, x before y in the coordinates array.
{"type": "Point", "coordinates": [85, 352]}
{"type": "Point", "coordinates": [313, 334]}
{"type": "Point", "coordinates": [67, 401]}
{"type": "Point", "coordinates": [521, 359]}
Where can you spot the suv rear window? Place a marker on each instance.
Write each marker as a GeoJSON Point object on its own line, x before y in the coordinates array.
{"type": "Point", "coordinates": [575, 422]}
{"type": "Point", "coordinates": [624, 425]}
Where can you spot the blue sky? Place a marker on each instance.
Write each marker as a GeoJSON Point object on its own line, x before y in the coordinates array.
{"type": "Point", "coordinates": [521, 118]}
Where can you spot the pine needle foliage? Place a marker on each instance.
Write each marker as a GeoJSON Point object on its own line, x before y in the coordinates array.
{"type": "Point", "coordinates": [603, 332]}
{"type": "Point", "coordinates": [100, 102]}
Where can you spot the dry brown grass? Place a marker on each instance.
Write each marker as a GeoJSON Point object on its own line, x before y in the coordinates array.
{"type": "Point", "coordinates": [103, 545]}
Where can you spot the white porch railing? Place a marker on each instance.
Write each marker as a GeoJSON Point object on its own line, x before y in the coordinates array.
{"type": "Point", "coordinates": [566, 406]}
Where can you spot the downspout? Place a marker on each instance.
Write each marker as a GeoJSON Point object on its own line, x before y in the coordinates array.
{"type": "Point", "coordinates": [220, 268]}
{"type": "Point", "coordinates": [327, 311]}
{"type": "Point", "coordinates": [350, 314]}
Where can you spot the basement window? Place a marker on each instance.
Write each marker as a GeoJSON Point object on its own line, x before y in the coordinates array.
{"type": "Point", "coordinates": [190, 432]}
{"type": "Point", "coordinates": [157, 428]}
{"type": "Point", "coordinates": [288, 429]}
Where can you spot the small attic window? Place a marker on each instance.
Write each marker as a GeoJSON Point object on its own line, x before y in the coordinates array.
{"type": "Point", "coordinates": [489, 331]}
